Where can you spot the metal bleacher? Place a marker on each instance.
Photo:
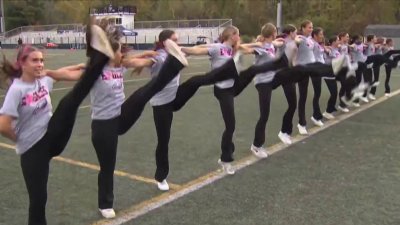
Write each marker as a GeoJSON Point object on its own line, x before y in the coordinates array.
{"type": "Point", "coordinates": [74, 34]}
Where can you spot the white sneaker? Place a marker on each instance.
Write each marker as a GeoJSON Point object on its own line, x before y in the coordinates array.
{"type": "Point", "coordinates": [226, 167]}
{"type": "Point", "coordinates": [345, 110]}
{"type": "Point", "coordinates": [375, 84]}
{"type": "Point", "coordinates": [302, 129]}
{"type": "Point", "coordinates": [358, 91]}
{"type": "Point", "coordinates": [285, 138]}
{"type": "Point", "coordinates": [173, 49]}
{"type": "Point", "coordinates": [338, 63]}
{"type": "Point", "coordinates": [107, 213]}
{"type": "Point", "coordinates": [364, 99]}
{"type": "Point", "coordinates": [260, 152]}
{"type": "Point", "coordinates": [316, 122]}
{"type": "Point", "coordinates": [238, 59]}
{"type": "Point", "coordinates": [328, 116]}
{"type": "Point", "coordinates": [371, 97]}
{"type": "Point", "coordinates": [387, 94]}
{"type": "Point", "coordinates": [355, 104]}
{"type": "Point", "coordinates": [346, 101]}
{"type": "Point", "coordinates": [352, 70]}
{"type": "Point", "coordinates": [163, 186]}
{"type": "Point", "coordinates": [99, 41]}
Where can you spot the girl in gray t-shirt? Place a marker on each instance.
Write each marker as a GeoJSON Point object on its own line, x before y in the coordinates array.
{"type": "Point", "coordinates": [388, 67]}
{"type": "Point", "coordinates": [318, 52]}
{"type": "Point", "coordinates": [344, 43]}
{"type": "Point", "coordinates": [112, 115]}
{"type": "Point", "coordinates": [264, 52]}
{"type": "Point", "coordinates": [26, 116]}
{"type": "Point", "coordinates": [106, 98]}
{"type": "Point", "coordinates": [305, 55]}
{"type": "Point", "coordinates": [376, 67]}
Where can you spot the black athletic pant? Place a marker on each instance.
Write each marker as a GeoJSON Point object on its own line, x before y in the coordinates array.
{"type": "Point", "coordinates": [264, 101]}
{"type": "Point", "coordinates": [291, 98]}
{"type": "Point", "coordinates": [303, 90]}
{"type": "Point", "coordinates": [361, 73]}
{"type": "Point", "coordinates": [388, 70]}
{"type": "Point", "coordinates": [35, 162]}
{"type": "Point", "coordinates": [332, 87]}
{"type": "Point", "coordinates": [341, 94]}
{"type": "Point", "coordinates": [226, 101]}
{"type": "Point", "coordinates": [368, 77]}
{"type": "Point", "coordinates": [376, 70]}
{"type": "Point", "coordinates": [317, 83]}
{"type": "Point", "coordinates": [105, 142]}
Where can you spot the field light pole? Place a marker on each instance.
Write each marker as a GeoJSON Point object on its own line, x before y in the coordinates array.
{"type": "Point", "coordinates": [279, 16]}
{"type": "Point", "coordinates": [2, 24]}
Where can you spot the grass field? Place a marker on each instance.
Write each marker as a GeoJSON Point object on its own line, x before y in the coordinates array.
{"type": "Point", "coordinates": [346, 174]}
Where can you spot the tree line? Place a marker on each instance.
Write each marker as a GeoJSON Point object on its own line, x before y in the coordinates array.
{"type": "Point", "coordinates": [248, 15]}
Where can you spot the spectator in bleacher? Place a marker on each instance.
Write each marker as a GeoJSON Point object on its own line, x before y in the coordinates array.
{"type": "Point", "coordinates": [19, 41]}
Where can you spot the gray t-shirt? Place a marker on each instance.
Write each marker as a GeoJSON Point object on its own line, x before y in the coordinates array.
{"type": "Point", "coordinates": [378, 50]}
{"type": "Point", "coordinates": [318, 52]}
{"type": "Point", "coordinates": [385, 49]}
{"type": "Point", "coordinates": [344, 49]}
{"type": "Point", "coordinates": [333, 54]}
{"type": "Point", "coordinates": [107, 94]}
{"type": "Point", "coordinates": [290, 50]}
{"type": "Point", "coordinates": [30, 105]}
{"type": "Point", "coordinates": [357, 54]}
{"type": "Point", "coordinates": [167, 94]}
{"type": "Point", "coordinates": [305, 52]}
{"type": "Point", "coordinates": [220, 54]}
{"type": "Point", "coordinates": [370, 50]}
{"type": "Point", "coordinates": [264, 54]}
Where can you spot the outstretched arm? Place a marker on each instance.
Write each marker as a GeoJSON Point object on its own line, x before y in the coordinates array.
{"type": "Point", "coordinates": [68, 73]}
{"type": "Point", "coordinates": [195, 50]}
{"type": "Point", "coordinates": [144, 54]}
{"type": "Point", "coordinates": [247, 48]}
{"type": "Point", "coordinates": [129, 62]}
{"type": "Point", "coordinates": [278, 42]}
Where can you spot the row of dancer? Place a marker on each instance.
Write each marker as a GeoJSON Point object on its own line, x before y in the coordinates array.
{"type": "Point", "coordinates": [27, 118]}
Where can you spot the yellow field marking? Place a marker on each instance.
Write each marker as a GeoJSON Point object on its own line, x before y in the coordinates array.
{"type": "Point", "coordinates": [194, 185]}
{"type": "Point", "coordinates": [97, 168]}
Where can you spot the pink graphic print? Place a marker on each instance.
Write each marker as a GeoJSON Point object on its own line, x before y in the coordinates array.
{"type": "Point", "coordinates": [32, 98]}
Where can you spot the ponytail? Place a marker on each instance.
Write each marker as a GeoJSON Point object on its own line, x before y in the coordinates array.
{"type": "Point", "coordinates": [9, 71]}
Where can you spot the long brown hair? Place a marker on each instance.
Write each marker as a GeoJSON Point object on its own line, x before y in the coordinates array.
{"type": "Point", "coordinates": [228, 32]}
{"type": "Point", "coordinates": [304, 25]}
{"type": "Point", "coordinates": [268, 30]}
{"type": "Point", "coordinates": [163, 36]}
{"type": "Point", "coordinates": [287, 29]}
{"type": "Point", "coordinates": [9, 70]}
